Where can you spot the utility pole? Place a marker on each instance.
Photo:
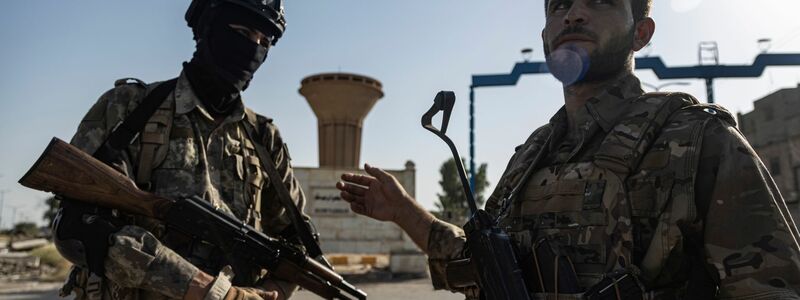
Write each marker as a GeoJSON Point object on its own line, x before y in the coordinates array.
{"type": "Point", "coordinates": [2, 203]}
{"type": "Point", "coordinates": [708, 70]}
{"type": "Point", "coordinates": [13, 216]}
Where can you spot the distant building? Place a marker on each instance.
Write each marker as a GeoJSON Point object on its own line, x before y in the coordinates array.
{"type": "Point", "coordinates": [773, 128]}
{"type": "Point", "coordinates": [341, 102]}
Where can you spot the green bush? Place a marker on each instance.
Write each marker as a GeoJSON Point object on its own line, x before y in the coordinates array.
{"type": "Point", "coordinates": [48, 255]}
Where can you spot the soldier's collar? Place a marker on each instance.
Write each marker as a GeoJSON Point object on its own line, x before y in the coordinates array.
{"type": "Point", "coordinates": [186, 100]}
{"type": "Point", "coordinates": [607, 107]}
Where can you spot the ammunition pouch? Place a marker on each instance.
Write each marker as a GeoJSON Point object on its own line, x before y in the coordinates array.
{"type": "Point", "coordinates": [82, 232]}
{"type": "Point", "coordinates": [554, 271]}
{"type": "Point", "coordinates": [555, 276]}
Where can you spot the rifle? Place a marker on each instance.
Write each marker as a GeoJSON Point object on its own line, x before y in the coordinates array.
{"type": "Point", "coordinates": [69, 172]}
{"type": "Point", "coordinates": [492, 257]}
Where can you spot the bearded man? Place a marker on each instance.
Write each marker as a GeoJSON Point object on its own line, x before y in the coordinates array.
{"type": "Point", "coordinates": [623, 195]}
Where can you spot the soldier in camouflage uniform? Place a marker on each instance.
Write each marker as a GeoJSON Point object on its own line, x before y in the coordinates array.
{"type": "Point", "coordinates": [195, 144]}
{"type": "Point", "coordinates": [655, 186]}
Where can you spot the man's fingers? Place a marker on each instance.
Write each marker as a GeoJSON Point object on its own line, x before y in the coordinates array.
{"type": "Point", "coordinates": [351, 188]}
{"type": "Point", "coordinates": [351, 198]}
{"type": "Point", "coordinates": [381, 175]}
{"type": "Point", "coordinates": [250, 293]}
{"type": "Point", "coordinates": [268, 295]}
{"type": "Point", "coordinates": [358, 179]}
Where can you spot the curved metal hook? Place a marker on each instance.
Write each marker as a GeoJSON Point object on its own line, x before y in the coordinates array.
{"type": "Point", "coordinates": [444, 101]}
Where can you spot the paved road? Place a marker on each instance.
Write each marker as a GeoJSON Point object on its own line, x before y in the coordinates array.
{"type": "Point", "coordinates": [418, 289]}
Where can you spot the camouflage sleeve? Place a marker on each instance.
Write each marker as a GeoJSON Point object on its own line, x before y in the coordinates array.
{"type": "Point", "coordinates": [446, 242]}
{"type": "Point", "coordinates": [749, 236]}
{"type": "Point", "coordinates": [111, 109]}
{"type": "Point", "coordinates": [136, 259]}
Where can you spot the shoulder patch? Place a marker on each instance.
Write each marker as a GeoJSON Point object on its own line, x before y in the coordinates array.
{"type": "Point", "coordinates": [130, 80]}
{"type": "Point", "coordinates": [713, 110]}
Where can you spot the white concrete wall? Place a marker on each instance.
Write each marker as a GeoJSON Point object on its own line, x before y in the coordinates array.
{"type": "Point", "coordinates": [342, 231]}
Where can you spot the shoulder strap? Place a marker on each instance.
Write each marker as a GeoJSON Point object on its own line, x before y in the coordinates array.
{"type": "Point", "coordinates": [152, 137]}
{"type": "Point", "coordinates": [623, 148]}
{"type": "Point", "coordinates": [124, 133]}
{"type": "Point", "coordinates": [301, 226]}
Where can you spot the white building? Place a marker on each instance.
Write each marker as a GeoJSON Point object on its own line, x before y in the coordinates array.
{"type": "Point", "coordinates": [341, 102]}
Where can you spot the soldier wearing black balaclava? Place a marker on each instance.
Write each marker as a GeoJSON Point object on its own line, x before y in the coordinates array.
{"type": "Point", "coordinates": [194, 144]}
{"type": "Point", "coordinates": [225, 60]}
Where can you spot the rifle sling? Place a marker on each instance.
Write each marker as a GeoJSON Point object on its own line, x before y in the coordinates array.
{"type": "Point", "coordinates": [300, 225]}
{"type": "Point", "coordinates": [124, 134]}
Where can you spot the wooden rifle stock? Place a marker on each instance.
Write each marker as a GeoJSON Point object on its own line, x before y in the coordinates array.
{"type": "Point", "coordinates": [67, 171]}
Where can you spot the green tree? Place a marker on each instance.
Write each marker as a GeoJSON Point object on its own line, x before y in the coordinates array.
{"type": "Point", "coordinates": [452, 205]}
{"type": "Point", "coordinates": [52, 210]}
{"type": "Point", "coordinates": [27, 229]}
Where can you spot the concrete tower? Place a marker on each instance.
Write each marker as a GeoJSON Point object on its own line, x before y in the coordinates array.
{"type": "Point", "coordinates": [341, 102]}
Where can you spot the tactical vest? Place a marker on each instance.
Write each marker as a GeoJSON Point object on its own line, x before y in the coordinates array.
{"type": "Point", "coordinates": [161, 133]}
{"type": "Point", "coordinates": [613, 214]}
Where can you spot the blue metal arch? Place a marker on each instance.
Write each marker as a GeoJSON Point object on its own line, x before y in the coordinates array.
{"type": "Point", "coordinates": [657, 65]}
{"type": "Point", "coordinates": [707, 72]}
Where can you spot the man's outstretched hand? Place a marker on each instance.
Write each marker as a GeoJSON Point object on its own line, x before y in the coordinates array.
{"type": "Point", "coordinates": [380, 196]}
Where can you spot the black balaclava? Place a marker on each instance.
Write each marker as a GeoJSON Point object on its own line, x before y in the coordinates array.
{"type": "Point", "coordinates": [225, 60]}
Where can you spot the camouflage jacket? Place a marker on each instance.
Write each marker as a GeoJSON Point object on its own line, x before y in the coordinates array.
{"type": "Point", "coordinates": [695, 200]}
{"type": "Point", "coordinates": [193, 155]}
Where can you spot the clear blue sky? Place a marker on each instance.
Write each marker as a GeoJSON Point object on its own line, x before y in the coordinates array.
{"type": "Point", "coordinates": [57, 57]}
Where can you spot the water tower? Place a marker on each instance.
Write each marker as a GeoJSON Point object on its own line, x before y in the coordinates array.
{"type": "Point", "coordinates": [341, 101]}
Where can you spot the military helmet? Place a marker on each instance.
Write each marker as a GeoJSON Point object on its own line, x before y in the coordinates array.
{"type": "Point", "coordinates": [201, 11]}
